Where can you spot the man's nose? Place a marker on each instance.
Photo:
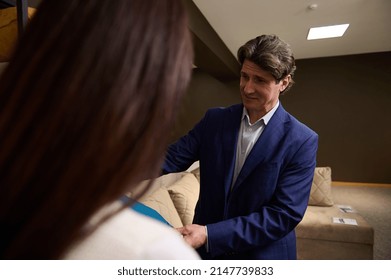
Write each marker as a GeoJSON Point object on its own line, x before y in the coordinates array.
{"type": "Point", "coordinates": [248, 87]}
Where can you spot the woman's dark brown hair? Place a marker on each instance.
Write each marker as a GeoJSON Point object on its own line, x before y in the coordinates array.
{"type": "Point", "coordinates": [86, 106]}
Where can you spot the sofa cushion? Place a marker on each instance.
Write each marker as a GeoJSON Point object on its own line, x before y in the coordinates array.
{"type": "Point", "coordinates": [321, 188]}
{"type": "Point", "coordinates": [317, 224]}
{"type": "Point", "coordinates": [184, 194]}
{"type": "Point", "coordinates": [160, 201]}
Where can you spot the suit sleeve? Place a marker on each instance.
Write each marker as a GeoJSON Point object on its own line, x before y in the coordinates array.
{"type": "Point", "coordinates": [275, 219]}
{"type": "Point", "coordinates": [184, 152]}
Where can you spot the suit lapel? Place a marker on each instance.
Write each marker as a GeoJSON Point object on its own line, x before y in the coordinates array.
{"type": "Point", "coordinates": [266, 144]}
{"type": "Point", "coordinates": [229, 140]}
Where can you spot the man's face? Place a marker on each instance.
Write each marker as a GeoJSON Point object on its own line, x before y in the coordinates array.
{"type": "Point", "coordinates": [258, 89]}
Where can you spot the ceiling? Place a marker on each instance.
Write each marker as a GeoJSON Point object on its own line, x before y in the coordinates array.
{"type": "Point", "coordinates": [237, 21]}
{"type": "Point", "coordinates": [220, 27]}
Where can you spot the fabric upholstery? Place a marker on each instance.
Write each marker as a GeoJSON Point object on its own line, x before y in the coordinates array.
{"type": "Point", "coordinates": [318, 238]}
{"type": "Point", "coordinates": [184, 194]}
{"type": "Point", "coordinates": [160, 200]}
{"type": "Point", "coordinates": [316, 249]}
{"type": "Point", "coordinates": [317, 224]}
{"type": "Point", "coordinates": [160, 182]}
{"type": "Point", "coordinates": [321, 188]}
{"type": "Point", "coordinates": [196, 173]}
{"type": "Point", "coordinates": [175, 195]}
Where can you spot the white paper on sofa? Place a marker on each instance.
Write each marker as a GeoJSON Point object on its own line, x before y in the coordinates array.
{"type": "Point", "coordinates": [346, 208]}
{"type": "Point", "coordinates": [344, 221]}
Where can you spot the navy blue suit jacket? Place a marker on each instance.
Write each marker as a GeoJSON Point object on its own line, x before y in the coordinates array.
{"type": "Point", "coordinates": [256, 219]}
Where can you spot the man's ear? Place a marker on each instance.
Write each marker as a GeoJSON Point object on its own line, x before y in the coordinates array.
{"type": "Point", "coordinates": [285, 82]}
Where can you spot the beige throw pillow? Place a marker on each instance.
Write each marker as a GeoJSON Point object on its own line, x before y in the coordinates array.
{"type": "Point", "coordinates": [184, 194]}
{"type": "Point", "coordinates": [160, 201]}
{"type": "Point", "coordinates": [321, 188]}
{"type": "Point", "coordinates": [196, 173]}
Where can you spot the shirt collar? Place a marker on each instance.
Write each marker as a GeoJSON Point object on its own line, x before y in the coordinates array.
{"type": "Point", "coordinates": [266, 118]}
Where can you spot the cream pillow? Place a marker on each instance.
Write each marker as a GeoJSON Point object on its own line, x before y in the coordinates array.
{"type": "Point", "coordinates": [321, 188]}
{"type": "Point", "coordinates": [159, 182]}
{"type": "Point", "coordinates": [196, 173]}
{"type": "Point", "coordinates": [184, 194]}
{"type": "Point", "coordinates": [160, 201]}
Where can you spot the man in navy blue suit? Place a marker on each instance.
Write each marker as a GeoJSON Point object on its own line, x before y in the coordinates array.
{"type": "Point", "coordinates": [256, 163]}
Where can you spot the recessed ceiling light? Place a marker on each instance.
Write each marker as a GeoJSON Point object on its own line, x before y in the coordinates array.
{"type": "Point", "coordinates": [323, 32]}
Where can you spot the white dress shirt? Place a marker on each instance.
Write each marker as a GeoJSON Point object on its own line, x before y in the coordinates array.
{"type": "Point", "coordinates": [249, 133]}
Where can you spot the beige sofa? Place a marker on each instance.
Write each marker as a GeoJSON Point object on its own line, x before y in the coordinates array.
{"type": "Point", "coordinates": [330, 231]}
{"type": "Point", "coordinates": [174, 196]}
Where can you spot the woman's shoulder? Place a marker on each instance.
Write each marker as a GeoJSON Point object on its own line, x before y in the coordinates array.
{"type": "Point", "coordinates": [129, 235]}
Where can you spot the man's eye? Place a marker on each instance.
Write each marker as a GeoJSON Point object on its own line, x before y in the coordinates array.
{"type": "Point", "coordinates": [244, 76]}
{"type": "Point", "coordinates": [258, 80]}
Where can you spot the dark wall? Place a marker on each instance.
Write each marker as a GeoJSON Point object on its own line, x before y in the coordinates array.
{"type": "Point", "coordinates": [204, 92]}
{"type": "Point", "coordinates": [345, 99]}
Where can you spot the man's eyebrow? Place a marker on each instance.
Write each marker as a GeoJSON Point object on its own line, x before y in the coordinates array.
{"type": "Point", "coordinates": [259, 77]}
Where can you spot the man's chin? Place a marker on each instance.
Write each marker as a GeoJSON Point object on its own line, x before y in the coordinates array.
{"type": "Point", "coordinates": [251, 104]}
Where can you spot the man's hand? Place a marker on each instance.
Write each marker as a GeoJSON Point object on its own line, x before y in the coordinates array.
{"type": "Point", "coordinates": [194, 235]}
